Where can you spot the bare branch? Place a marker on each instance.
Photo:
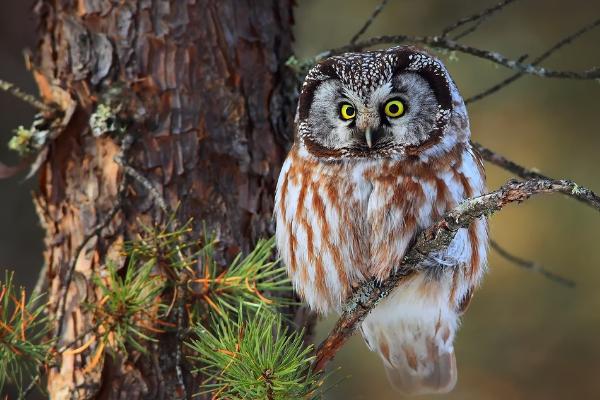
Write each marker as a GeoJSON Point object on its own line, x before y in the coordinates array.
{"type": "Point", "coordinates": [369, 21]}
{"type": "Point", "coordinates": [478, 18]}
{"type": "Point", "coordinates": [561, 43]}
{"type": "Point", "coordinates": [579, 193]}
{"type": "Point", "coordinates": [41, 284]}
{"type": "Point", "coordinates": [23, 96]}
{"type": "Point", "coordinates": [531, 265]}
{"type": "Point", "coordinates": [435, 238]}
{"type": "Point", "coordinates": [448, 44]}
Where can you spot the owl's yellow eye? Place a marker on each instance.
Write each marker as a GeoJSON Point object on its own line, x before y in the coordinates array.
{"type": "Point", "coordinates": [394, 108]}
{"type": "Point", "coordinates": [347, 111]}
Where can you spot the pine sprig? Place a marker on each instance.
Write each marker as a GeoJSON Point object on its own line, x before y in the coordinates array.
{"type": "Point", "coordinates": [254, 357]}
{"type": "Point", "coordinates": [253, 281]}
{"type": "Point", "coordinates": [22, 327]}
{"type": "Point", "coordinates": [167, 245]}
{"type": "Point", "coordinates": [129, 308]}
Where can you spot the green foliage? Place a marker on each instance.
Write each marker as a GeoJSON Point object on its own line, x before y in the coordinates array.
{"type": "Point", "coordinates": [253, 281]}
{"type": "Point", "coordinates": [254, 357]}
{"type": "Point", "coordinates": [236, 337]}
{"type": "Point", "coordinates": [22, 327]}
{"type": "Point", "coordinates": [167, 246]}
{"type": "Point", "coordinates": [129, 305]}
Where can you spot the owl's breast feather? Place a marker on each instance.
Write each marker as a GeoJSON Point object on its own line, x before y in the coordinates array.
{"type": "Point", "coordinates": [337, 223]}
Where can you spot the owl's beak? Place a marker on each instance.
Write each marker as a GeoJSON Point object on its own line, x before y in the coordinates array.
{"type": "Point", "coordinates": [369, 137]}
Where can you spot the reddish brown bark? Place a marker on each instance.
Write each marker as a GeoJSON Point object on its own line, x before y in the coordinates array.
{"type": "Point", "coordinates": [205, 90]}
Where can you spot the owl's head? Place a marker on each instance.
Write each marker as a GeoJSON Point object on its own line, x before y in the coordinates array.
{"type": "Point", "coordinates": [392, 103]}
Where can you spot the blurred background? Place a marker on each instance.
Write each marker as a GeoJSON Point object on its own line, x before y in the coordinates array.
{"type": "Point", "coordinates": [524, 337]}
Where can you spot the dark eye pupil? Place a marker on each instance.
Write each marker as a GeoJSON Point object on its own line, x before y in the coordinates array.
{"type": "Point", "coordinates": [350, 110]}
{"type": "Point", "coordinates": [394, 108]}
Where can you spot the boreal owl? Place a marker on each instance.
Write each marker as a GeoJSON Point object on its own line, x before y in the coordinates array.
{"type": "Point", "coordinates": [381, 152]}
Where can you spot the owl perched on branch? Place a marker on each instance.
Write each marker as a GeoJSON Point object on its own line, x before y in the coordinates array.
{"type": "Point", "coordinates": [382, 152]}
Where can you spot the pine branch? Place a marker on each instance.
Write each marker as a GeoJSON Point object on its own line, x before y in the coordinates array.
{"type": "Point", "coordinates": [253, 357]}
{"type": "Point", "coordinates": [253, 281]}
{"type": "Point", "coordinates": [22, 329]}
{"type": "Point", "coordinates": [434, 239]}
{"type": "Point", "coordinates": [129, 305]}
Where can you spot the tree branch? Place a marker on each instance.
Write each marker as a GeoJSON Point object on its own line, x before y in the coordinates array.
{"type": "Point", "coordinates": [452, 45]}
{"type": "Point", "coordinates": [579, 193]}
{"type": "Point", "coordinates": [531, 265]}
{"type": "Point", "coordinates": [369, 21]}
{"type": "Point", "coordinates": [435, 238]}
{"type": "Point", "coordinates": [23, 96]}
{"type": "Point", "coordinates": [478, 18]}
{"type": "Point", "coordinates": [551, 50]}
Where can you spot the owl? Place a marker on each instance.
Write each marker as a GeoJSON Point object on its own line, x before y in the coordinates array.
{"type": "Point", "coordinates": [381, 152]}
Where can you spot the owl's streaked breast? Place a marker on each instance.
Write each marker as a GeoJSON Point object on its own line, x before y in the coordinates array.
{"type": "Point", "coordinates": [339, 222]}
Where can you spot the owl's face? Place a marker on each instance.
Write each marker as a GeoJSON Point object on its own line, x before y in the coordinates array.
{"type": "Point", "coordinates": [374, 104]}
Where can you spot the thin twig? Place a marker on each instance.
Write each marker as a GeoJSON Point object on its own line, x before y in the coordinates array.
{"type": "Point", "coordinates": [369, 21]}
{"type": "Point", "coordinates": [477, 17]}
{"type": "Point", "coordinates": [145, 182]}
{"type": "Point", "coordinates": [579, 193]}
{"type": "Point", "coordinates": [25, 393]}
{"type": "Point", "coordinates": [23, 96]}
{"type": "Point", "coordinates": [179, 335]}
{"type": "Point", "coordinates": [531, 265]}
{"type": "Point", "coordinates": [469, 30]}
{"type": "Point", "coordinates": [41, 285]}
{"type": "Point", "coordinates": [448, 44]}
{"type": "Point", "coordinates": [561, 43]}
{"type": "Point", "coordinates": [434, 239]}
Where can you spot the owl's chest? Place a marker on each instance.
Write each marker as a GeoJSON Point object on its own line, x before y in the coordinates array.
{"type": "Point", "coordinates": [339, 223]}
{"type": "Point", "coordinates": [381, 210]}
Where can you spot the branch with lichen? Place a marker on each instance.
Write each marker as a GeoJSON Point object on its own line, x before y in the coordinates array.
{"type": "Point", "coordinates": [440, 42]}
{"type": "Point", "coordinates": [434, 239]}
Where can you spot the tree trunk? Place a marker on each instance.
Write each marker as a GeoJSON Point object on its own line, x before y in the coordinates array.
{"type": "Point", "coordinates": [203, 87]}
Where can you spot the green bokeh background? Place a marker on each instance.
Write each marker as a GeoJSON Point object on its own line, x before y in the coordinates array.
{"type": "Point", "coordinates": [523, 337]}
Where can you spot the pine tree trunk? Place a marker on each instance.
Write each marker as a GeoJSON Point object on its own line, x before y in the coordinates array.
{"type": "Point", "coordinates": [204, 91]}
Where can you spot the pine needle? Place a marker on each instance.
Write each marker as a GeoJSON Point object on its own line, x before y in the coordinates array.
{"type": "Point", "coordinates": [254, 357]}
{"type": "Point", "coordinates": [22, 329]}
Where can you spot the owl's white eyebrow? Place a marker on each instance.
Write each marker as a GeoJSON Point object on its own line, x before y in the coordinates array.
{"type": "Point", "coordinates": [381, 93]}
{"type": "Point", "coordinates": [352, 97]}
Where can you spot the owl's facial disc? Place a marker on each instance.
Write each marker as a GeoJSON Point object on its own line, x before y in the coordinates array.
{"type": "Point", "coordinates": [399, 102]}
{"type": "Point", "coordinates": [398, 113]}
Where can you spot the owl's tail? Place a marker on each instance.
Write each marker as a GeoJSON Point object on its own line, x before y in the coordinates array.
{"type": "Point", "coordinates": [415, 342]}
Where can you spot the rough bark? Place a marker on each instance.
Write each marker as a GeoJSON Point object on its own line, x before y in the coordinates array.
{"type": "Point", "coordinates": [206, 95]}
